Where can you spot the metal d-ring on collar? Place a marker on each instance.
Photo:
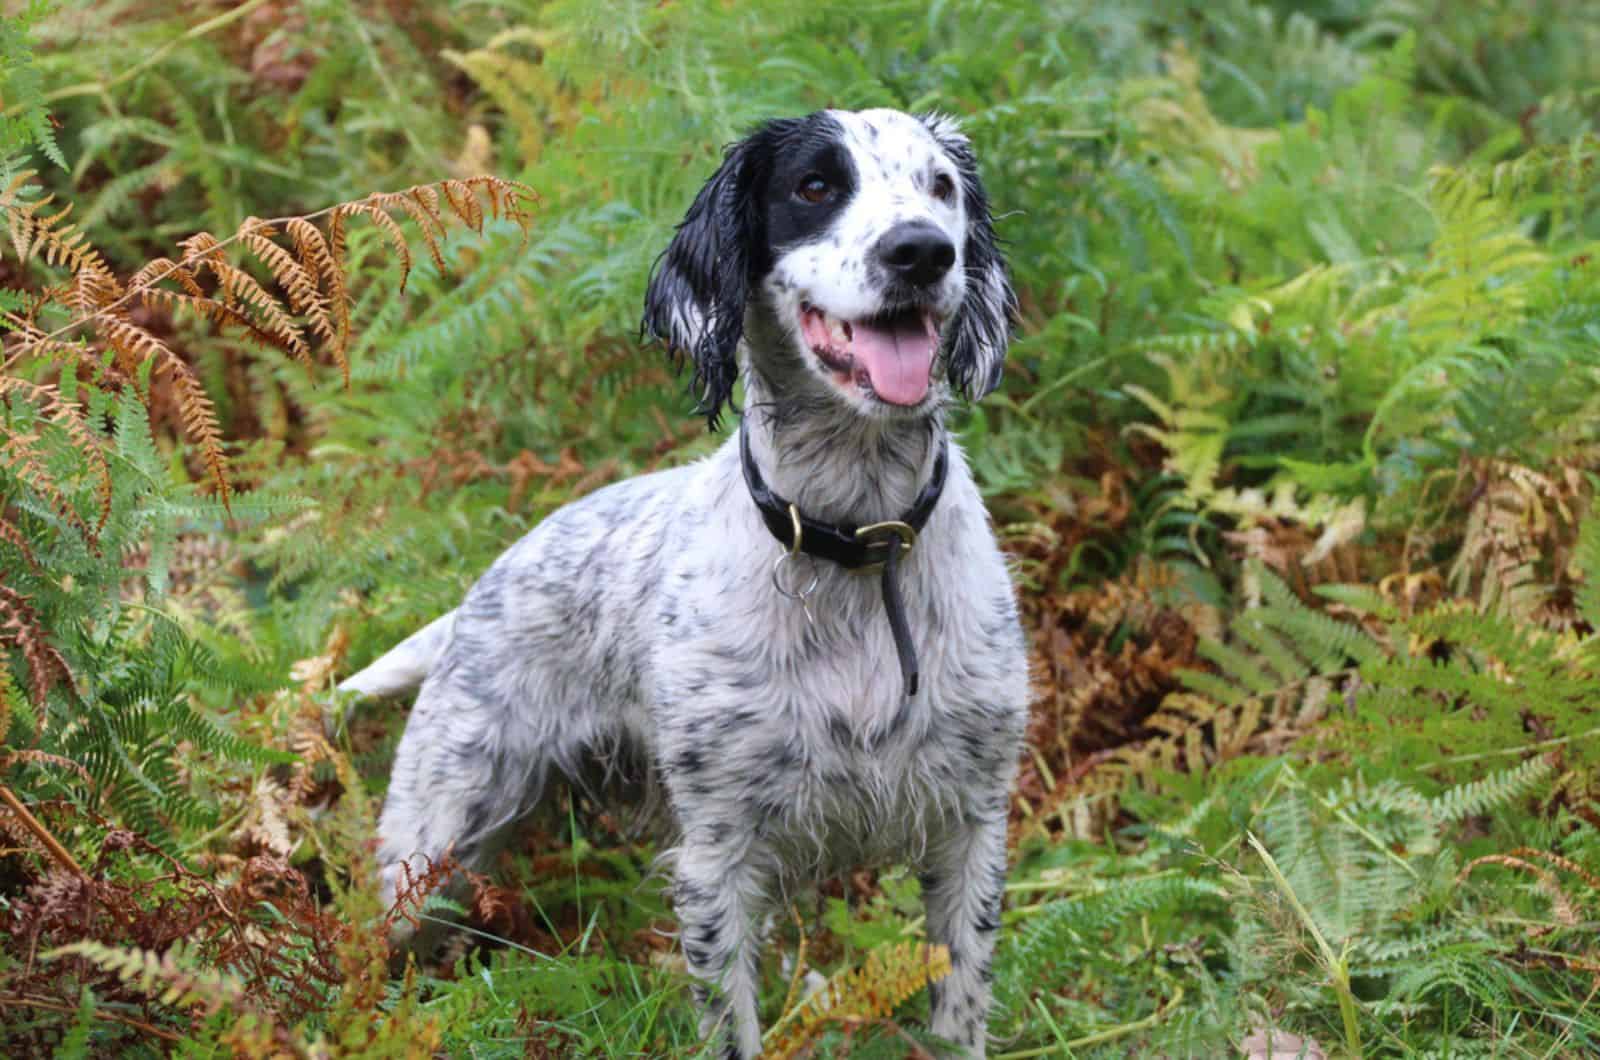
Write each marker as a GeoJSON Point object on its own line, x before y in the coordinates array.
{"type": "Point", "coordinates": [793, 553]}
{"type": "Point", "coordinates": [872, 549]}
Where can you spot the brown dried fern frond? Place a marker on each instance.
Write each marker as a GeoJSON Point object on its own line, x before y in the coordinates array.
{"type": "Point", "coordinates": [1561, 904]}
{"type": "Point", "coordinates": [379, 215]}
{"type": "Point", "coordinates": [20, 625]}
{"type": "Point", "coordinates": [301, 283]}
{"type": "Point", "coordinates": [871, 991]}
{"type": "Point", "coordinates": [1562, 863]}
{"type": "Point", "coordinates": [20, 455]}
{"type": "Point", "coordinates": [1519, 540]}
{"type": "Point", "coordinates": [35, 757]}
{"type": "Point", "coordinates": [138, 346]}
{"type": "Point", "coordinates": [316, 257]}
{"type": "Point", "coordinates": [413, 889]}
{"type": "Point", "coordinates": [309, 309]}
{"type": "Point", "coordinates": [16, 452]}
{"type": "Point", "coordinates": [35, 233]}
{"type": "Point", "coordinates": [14, 537]}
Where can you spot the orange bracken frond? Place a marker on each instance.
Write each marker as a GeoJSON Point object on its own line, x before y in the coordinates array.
{"type": "Point", "coordinates": [429, 223]}
{"type": "Point", "coordinates": [889, 975]}
{"type": "Point", "coordinates": [336, 255]}
{"type": "Point", "coordinates": [67, 415]}
{"type": "Point", "coordinates": [300, 283]}
{"type": "Point", "coordinates": [158, 269]}
{"type": "Point", "coordinates": [20, 455]}
{"type": "Point", "coordinates": [463, 203]}
{"type": "Point", "coordinates": [241, 289]}
{"type": "Point", "coordinates": [32, 231]}
{"type": "Point", "coordinates": [200, 423]}
{"type": "Point", "coordinates": [426, 198]}
{"type": "Point", "coordinates": [374, 209]}
{"type": "Point", "coordinates": [195, 408]}
{"type": "Point", "coordinates": [93, 290]}
{"type": "Point", "coordinates": [317, 260]}
{"type": "Point", "coordinates": [20, 625]}
{"type": "Point", "coordinates": [204, 282]}
{"type": "Point", "coordinates": [14, 537]}
{"type": "Point", "coordinates": [200, 247]}
{"type": "Point", "coordinates": [215, 311]}
{"type": "Point", "coordinates": [132, 342]}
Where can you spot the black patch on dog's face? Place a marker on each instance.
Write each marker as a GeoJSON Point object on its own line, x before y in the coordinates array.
{"type": "Point", "coordinates": [814, 152]}
{"type": "Point", "coordinates": [726, 243]}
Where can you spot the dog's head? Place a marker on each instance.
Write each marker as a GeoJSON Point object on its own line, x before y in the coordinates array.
{"type": "Point", "coordinates": [861, 245]}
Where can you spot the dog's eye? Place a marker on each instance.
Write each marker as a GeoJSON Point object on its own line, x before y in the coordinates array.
{"type": "Point", "coordinates": [814, 188]}
{"type": "Point", "coordinates": [944, 189]}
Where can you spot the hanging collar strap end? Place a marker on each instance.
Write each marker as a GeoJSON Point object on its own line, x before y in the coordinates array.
{"type": "Point", "coordinates": [876, 548]}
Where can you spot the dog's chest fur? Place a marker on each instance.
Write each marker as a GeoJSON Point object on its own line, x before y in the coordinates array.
{"type": "Point", "coordinates": [801, 724]}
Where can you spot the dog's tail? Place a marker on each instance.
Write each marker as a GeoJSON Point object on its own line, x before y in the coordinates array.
{"type": "Point", "coordinates": [404, 666]}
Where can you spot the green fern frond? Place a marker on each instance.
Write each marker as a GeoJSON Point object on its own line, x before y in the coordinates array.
{"type": "Point", "coordinates": [75, 1046]}
{"type": "Point", "coordinates": [1064, 927]}
{"type": "Point", "coordinates": [1492, 792]}
{"type": "Point", "coordinates": [1279, 648]}
{"type": "Point", "coordinates": [168, 977]}
{"type": "Point", "coordinates": [1588, 560]}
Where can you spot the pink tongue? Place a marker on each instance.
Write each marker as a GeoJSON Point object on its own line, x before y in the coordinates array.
{"type": "Point", "coordinates": [899, 360]}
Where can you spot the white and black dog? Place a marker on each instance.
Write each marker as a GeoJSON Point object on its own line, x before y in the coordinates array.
{"type": "Point", "coordinates": [802, 720]}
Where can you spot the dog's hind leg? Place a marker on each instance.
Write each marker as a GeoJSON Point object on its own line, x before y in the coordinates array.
{"type": "Point", "coordinates": [464, 771]}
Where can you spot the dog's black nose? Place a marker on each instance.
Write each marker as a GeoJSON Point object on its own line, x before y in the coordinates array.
{"type": "Point", "coordinates": [917, 252]}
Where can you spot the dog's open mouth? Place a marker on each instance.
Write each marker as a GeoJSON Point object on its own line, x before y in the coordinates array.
{"type": "Point", "coordinates": [891, 354]}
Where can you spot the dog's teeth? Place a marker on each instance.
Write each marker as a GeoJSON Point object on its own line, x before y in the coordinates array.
{"type": "Point", "coordinates": [838, 330]}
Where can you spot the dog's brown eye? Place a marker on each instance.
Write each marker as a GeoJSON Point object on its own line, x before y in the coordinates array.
{"type": "Point", "coordinates": [944, 189]}
{"type": "Point", "coordinates": [814, 188]}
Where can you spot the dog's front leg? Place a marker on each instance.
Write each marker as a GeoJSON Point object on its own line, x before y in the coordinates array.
{"type": "Point", "coordinates": [963, 882]}
{"type": "Point", "coordinates": [719, 893]}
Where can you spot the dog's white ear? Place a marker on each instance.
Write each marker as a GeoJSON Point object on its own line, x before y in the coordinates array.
{"type": "Point", "coordinates": [982, 326]}
{"type": "Point", "coordinates": [699, 285]}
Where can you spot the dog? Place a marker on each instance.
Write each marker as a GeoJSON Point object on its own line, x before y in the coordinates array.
{"type": "Point", "coordinates": [709, 620]}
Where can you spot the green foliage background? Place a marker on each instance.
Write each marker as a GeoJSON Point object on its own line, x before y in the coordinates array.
{"type": "Point", "coordinates": [1324, 270]}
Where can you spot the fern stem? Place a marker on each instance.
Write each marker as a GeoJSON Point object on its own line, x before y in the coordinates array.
{"type": "Point", "coordinates": [113, 1017]}
{"type": "Point", "coordinates": [1502, 752]}
{"type": "Point", "coordinates": [1100, 1037]}
{"type": "Point", "coordinates": [40, 832]}
{"type": "Point", "coordinates": [1382, 848]}
{"type": "Point", "coordinates": [382, 72]}
{"type": "Point", "coordinates": [1338, 971]}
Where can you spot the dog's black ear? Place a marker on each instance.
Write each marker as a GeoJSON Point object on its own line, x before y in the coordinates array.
{"type": "Point", "coordinates": [699, 285]}
{"type": "Point", "coordinates": [981, 329]}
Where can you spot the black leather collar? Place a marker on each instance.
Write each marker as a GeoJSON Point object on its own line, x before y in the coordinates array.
{"type": "Point", "coordinates": [865, 549]}
{"type": "Point", "coordinates": [838, 544]}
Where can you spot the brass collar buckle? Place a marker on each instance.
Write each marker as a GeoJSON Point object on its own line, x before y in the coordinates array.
{"type": "Point", "coordinates": [888, 535]}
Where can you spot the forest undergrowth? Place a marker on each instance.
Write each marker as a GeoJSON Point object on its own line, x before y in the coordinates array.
{"type": "Point", "coordinates": [310, 308]}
